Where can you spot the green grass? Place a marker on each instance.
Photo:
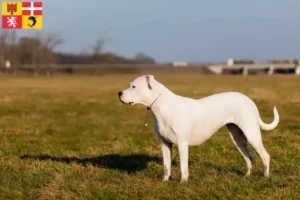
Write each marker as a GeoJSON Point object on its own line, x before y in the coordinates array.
{"type": "Point", "coordinates": [70, 138]}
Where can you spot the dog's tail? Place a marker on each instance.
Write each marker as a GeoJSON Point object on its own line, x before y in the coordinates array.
{"type": "Point", "coordinates": [271, 126]}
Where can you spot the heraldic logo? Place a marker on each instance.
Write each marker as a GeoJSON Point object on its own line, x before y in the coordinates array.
{"type": "Point", "coordinates": [22, 15]}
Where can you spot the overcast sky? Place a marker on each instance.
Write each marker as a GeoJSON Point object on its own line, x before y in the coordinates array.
{"type": "Point", "coordinates": [178, 30]}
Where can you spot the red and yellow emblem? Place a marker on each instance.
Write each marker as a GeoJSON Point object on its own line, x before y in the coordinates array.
{"type": "Point", "coordinates": [22, 15]}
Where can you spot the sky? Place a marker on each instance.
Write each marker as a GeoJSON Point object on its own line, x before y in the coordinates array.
{"type": "Point", "coordinates": [177, 30]}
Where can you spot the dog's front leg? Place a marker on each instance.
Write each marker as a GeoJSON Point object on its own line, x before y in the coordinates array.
{"type": "Point", "coordinates": [167, 157]}
{"type": "Point", "coordinates": [183, 148]}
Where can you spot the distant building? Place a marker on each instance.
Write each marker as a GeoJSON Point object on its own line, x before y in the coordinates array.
{"type": "Point", "coordinates": [286, 61]}
{"type": "Point", "coordinates": [231, 61]}
{"type": "Point", "coordinates": [290, 61]}
{"type": "Point", "coordinates": [274, 61]}
{"type": "Point", "coordinates": [180, 64]}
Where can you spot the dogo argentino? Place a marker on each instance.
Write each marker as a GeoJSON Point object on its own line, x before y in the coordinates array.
{"type": "Point", "coordinates": [185, 122]}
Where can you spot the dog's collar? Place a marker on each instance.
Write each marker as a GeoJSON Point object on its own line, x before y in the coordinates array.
{"type": "Point", "coordinates": [149, 107]}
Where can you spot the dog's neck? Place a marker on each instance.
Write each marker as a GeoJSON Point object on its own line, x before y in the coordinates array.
{"type": "Point", "coordinates": [159, 94]}
{"type": "Point", "coordinates": [149, 107]}
{"type": "Point", "coordinates": [162, 89]}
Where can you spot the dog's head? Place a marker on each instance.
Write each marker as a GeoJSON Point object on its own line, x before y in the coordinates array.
{"type": "Point", "coordinates": [140, 91]}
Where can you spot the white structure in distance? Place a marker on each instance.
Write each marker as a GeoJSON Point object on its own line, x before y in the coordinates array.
{"type": "Point", "coordinates": [7, 64]}
{"type": "Point", "coordinates": [180, 64]}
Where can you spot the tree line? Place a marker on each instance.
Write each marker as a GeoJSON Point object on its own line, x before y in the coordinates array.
{"type": "Point", "coordinates": [40, 49]}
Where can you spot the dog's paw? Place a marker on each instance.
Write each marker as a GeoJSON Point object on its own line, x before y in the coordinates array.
{"type": "Point", "coordinates": [183, 181]}
{"type": "Point", "coordinates": [248, 173]}
{"type": "Point", "coordinates": [166, 178]}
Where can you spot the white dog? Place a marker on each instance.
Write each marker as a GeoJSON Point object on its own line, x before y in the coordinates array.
{"type": "Point", "coordinates": [185, 122]}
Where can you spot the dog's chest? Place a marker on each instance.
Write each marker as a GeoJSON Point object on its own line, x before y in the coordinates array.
{"type": "Point", "coordinates": [164, 131]}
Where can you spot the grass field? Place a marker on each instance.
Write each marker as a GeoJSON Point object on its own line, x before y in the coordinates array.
{"type": "Point", "coordinates": [70, 138]}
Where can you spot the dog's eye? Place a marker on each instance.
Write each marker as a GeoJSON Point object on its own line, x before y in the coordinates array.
{"type": "Point", "coordinates": [133, 86]}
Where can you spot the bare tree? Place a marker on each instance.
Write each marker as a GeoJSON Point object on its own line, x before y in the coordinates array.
{"type": "Point", "coordinates": [98, 46]}
{"type": "Point", "coordinates": [29, 50]}
{"type": "Point", "coordinates": [98, 49]}
{"type": "Point", "coordinates": [3, 46]}
{"type": "Point", "coordinates": [50, 41]}
{"type": "Point", "coordinates": [8, 41]}
{"type": "Point", "coordinates": [47, 43]}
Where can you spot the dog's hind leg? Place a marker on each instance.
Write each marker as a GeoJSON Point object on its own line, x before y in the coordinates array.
{"type": "Point", "coordinates": [240, 141]}
{"type": "Point", "coordinates": [253, 135]}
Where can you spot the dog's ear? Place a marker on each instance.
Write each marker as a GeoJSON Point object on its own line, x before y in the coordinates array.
{"type": "Point", "coordinates": [150, 81]}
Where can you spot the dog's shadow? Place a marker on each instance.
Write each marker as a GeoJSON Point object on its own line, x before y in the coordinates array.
{"type": "Point", "coordinates": [127, 163]}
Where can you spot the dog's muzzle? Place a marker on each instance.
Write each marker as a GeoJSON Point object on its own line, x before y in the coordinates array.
{"type": "Point", "coordinates": [120, 95]}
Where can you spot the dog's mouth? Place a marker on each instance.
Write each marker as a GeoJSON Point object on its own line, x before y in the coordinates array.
{"type": "Point", "coordinates": [123, 102]}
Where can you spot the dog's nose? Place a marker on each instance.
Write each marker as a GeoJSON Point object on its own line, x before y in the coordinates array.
{"type": "Point", "coordinates": [120, 93]}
